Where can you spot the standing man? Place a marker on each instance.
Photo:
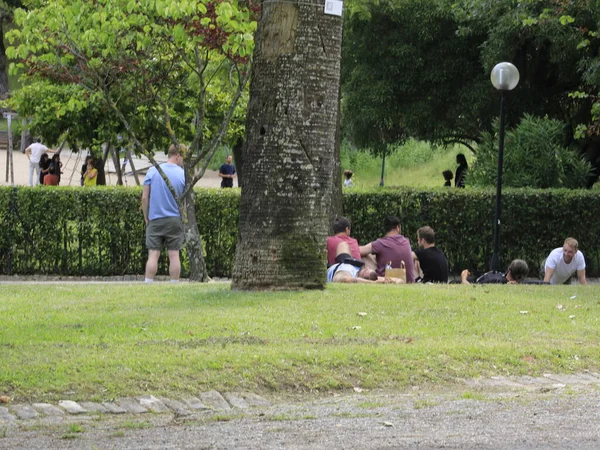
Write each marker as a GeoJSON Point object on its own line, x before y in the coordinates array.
{"type": "Point", "coordinates": [161, 214]}
{"type": "Point", "coordinates": [227, 172]}
{"type": "Point", "coordinates": [341, 228]}
{"type": "Point", "coordinates": [563, 262]}
{"type": "Point", "coordinates": [34, 152]}
{"type": "Point", "coordinates": [393, 249]}
{"type": "Point", "coordinates": [431, 259]}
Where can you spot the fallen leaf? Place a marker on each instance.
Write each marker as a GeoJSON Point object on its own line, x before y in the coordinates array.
{"type": "Point", "coordinates": [571, 316]}
{"type": "Point", "coordinates": [573, 297]}
{"type": "Point", "coordinates": [358, 389]}
{"type": "Point", "coordinates": [4, 399]}
{"type": "Point", "coordinates": [356, 327]}
{"type": "Point", "coordinates": [524, 312]}
{"type": "Point", "coordinates": [362, 314]}
{"type": "Point", "coordinates": [388, 424]}
{"type": "Point", "coordinates": [561, 307]}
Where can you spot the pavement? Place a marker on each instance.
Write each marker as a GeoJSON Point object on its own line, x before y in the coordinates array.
{"type": "Point", "coordinates": [72, 163]}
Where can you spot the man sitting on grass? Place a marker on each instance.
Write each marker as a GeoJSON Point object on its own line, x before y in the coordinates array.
{"type": "Point", "coordinates": [516, 273]}
{"type": "Point", "coordinates": [351, 270]}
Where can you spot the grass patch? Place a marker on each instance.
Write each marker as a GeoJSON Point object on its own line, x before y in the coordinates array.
{"type": "Point", "coordinates": [473, 396]}
{"type": "Point", "coordinates": [415, 164]}
{"type": "Point", "coordinates": [115, 340]}
{"type": "Point", "coordinates": [132, 425]}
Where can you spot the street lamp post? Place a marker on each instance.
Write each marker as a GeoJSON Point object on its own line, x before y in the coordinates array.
{"type": "Point", "coordinates": [505, 77]}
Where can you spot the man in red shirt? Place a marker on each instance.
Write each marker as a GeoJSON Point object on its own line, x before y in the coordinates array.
{"type": "Point", "coordinates": [392, 249]}
{"type": "Point", "coordinates": [341, 228]}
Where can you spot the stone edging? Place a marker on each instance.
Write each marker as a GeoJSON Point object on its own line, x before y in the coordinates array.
{"type": "Point", "coordinates": [206, 401]}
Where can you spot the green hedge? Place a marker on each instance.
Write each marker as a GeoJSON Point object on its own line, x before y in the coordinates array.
{"type": "Point", "coordinates": [533, 222]}
{"type": "Point", "coordinates": [100, 231]}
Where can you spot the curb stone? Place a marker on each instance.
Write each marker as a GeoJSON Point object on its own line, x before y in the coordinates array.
{"type": "Point", "coordinates": [211, 401]}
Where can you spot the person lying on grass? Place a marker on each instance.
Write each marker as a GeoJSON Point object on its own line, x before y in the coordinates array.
{"type": "Point", "coordinates": [516, 272]}
{"type": "Point", "coordinates": [351, 270]}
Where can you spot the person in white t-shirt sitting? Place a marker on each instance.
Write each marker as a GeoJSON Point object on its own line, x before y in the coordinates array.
{"type": "Point", "coordinates": [564, 262]}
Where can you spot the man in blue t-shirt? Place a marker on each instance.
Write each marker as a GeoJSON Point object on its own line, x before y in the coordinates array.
{"type": "Point", "coordinates": [227, 172]}
{"type": "Point", "coordinates": [161, 214]}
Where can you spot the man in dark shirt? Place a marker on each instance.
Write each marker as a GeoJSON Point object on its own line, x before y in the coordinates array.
{"type": "Point", "coordinates": [429, 258]}
{"type": "Point", "coordinates": [227, 172]}
{"type": "Point", "coordinates": [516, 273]}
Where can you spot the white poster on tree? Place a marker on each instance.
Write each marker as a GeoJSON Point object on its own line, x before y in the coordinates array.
{"type": "Point", "coordinates": [334, 7]}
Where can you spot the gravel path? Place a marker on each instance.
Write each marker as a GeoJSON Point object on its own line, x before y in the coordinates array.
{"type": "Point", "coordinates": [473, 415]}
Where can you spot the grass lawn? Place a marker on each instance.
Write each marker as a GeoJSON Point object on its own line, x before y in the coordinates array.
{"type": "Point", "coordinates": [102, 341]}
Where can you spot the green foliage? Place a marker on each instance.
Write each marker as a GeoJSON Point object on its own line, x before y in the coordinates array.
{"type": "Point", "coordinates": [534, 156]}
{"type": "Point", "coordinates": [421, 69]}
{"type": "Point", "coordinates": [407, 72]}
{"type": "Point", "coordinates": [74, 231]}
{"type": "Point", "coordinates": [533, 222]}
{"type": "Point", "coordinates": [155, 72]}
{"type": "Point", "coordinates": [414, 164]}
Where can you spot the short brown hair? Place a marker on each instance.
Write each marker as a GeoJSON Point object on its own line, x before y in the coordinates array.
{"type": "Point", "coordinates": [176, 150]}
{"type": "Point", "coordinates": [426, 233]}
{"type": "Point", "coordinates": [572, 242]}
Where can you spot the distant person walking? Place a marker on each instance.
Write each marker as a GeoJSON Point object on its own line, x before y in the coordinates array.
{"type": "Point", "coordinates": [461, 171]}
{"type": "Point", "coordinates": [227, 172]}
{"type": "Point", "coordinates": [161, 214]}
{"type": "Point", "coordinates": [34, 152]}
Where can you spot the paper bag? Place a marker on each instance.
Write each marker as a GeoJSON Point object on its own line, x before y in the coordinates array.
{"type": "Point", "coordinates": [397, 272]}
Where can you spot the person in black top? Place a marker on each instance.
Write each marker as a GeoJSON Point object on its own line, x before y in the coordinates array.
{"type": "Point", "coordinates": [447, 174]}
{"type": "Point", "coordinates": [44, 167]}
{"type": "Point", "coordinates": [461, 171]}
{"type": "Point", "coordinates": [227, 172]}
{"type": "Point", "coordinates": [516, 273]}
{"type": "Point", "coordinates": [429, 258]}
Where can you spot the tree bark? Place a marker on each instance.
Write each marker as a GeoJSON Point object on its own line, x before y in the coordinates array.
{"type": "Point", "coordinates": [289, 159]}
{"type": "Point", "coordinates": [193, 240]}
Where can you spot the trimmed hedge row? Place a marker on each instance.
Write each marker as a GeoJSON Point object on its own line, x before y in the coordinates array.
{"type": "Point", "coordinates": [75, 231]}
{"type": "Point", "coordinates": [533, 222]}
{"type": "Point", "coordinates": [100, 231]}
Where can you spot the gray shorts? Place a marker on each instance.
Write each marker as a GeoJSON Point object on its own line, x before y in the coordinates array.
{"type": "Point", "coordinates": [164, 232]}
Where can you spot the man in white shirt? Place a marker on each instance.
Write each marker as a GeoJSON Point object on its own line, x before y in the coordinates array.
{"type": "Point", "coordinates": [34, 152]}
{"type": "Point", "coordinates": [564, 262]}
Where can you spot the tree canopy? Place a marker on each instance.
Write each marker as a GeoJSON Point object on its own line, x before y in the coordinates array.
{"type": "Point", "coordinates": [421, 68]}
{"type": "Point", "coordinates": [157, 72]}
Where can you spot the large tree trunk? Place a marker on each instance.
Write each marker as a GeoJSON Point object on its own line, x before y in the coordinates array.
{"type": "Point", "coordinates": [193, 240]}
{"type": "Point", "coordinates": [290, 148]}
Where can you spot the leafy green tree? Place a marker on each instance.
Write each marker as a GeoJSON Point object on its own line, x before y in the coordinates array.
{"type": "Point", "coordinates": [421, 68]}
{"type": "Point", "coordinates": [534, 156]}
{"type": "Point", "coordinates": [148, 67]}
{"type": "Point", "coordinates": [407, 73]}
